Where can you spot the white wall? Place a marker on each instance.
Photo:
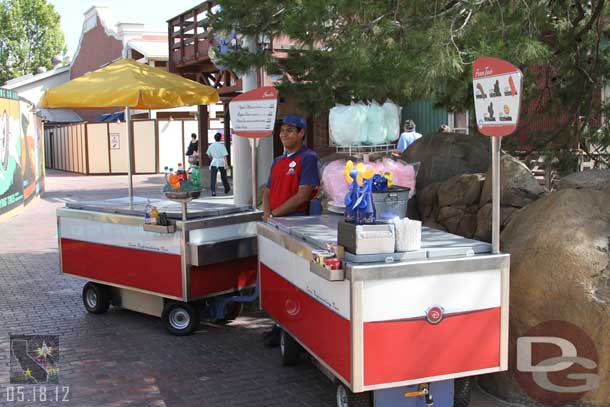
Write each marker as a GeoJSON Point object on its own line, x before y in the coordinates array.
{"type": "Point", "coordinates": [34, 90]}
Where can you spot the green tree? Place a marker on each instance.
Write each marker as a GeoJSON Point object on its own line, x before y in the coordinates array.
{"type": "Point", "coordinates": [30, 36]}
{"type": "Point", "coordinates": [407, 50]}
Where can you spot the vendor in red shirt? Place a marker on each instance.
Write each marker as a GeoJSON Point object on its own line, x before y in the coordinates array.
{"type": "Point", "coordinates": [295, 178]}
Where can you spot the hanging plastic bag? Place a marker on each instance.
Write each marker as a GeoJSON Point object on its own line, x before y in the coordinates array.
{"type": "Point", "coordinates": [392, 120]}
{"type": "Point", "coordinates": [376, 124]}
{"type": "Point", "coordinates": [403, 174]}
{"type": "Point", "coordinates": [347, 124]}
{"type": "Point", "coordinates": [360, 115]}
{"type": "Point", "coordinates": [333, 182]}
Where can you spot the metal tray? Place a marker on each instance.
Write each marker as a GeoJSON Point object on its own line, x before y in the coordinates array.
{"type": "Point", "coordinates": [196, 209]}
{"type": "Point", "coordinates": [321, 230]}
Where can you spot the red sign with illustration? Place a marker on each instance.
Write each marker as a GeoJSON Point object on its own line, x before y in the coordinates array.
{"type": "Point", "coordinates": [497, 87]}
{"type": "Point", "coordinates": [253, 112]}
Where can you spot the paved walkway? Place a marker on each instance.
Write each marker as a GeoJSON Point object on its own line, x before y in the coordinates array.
{"type": "Point", "coordinates": [124, 358]}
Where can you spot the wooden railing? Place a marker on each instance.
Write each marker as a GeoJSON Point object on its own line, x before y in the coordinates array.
{"type": "Point", "coordinates": [188, 36]}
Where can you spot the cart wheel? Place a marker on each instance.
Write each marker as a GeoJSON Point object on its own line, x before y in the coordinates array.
{"type": "Point", "coordinates": [290, 350]}
{"type": "Point", "coordinates": [96, 298]}
{"type": "Point", "coordinates": [345, 398]}
{"type": "Point", "coordinates": [462, 389]}
{"type": "Point", "coordinates": [180, 318]}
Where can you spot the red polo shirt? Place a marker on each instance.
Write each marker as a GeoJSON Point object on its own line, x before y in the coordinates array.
{"type": "Point", "coordinates": [288, 172]}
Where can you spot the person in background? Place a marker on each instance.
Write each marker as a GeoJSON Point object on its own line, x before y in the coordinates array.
{"type": "Point", "coordinates": [218, 153]}
{"type": "Point", "coordinates": [407, 137]}
{"type": "Point", "coordinates": [293, 182]}
{"type": "Point", "coordinates": [192, 152]}
{"type": "Point", "coordinates": [444, 128]}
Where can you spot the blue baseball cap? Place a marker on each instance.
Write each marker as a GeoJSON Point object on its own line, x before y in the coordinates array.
{"type": "Point", "coordinates": [295, 120]}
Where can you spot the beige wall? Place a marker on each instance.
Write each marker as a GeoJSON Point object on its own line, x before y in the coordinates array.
{"type": "Point", "coordinates": [145, 146]}
{"type": "Point", "coordinates": [101, 148]}
{"type": "Point", "coordinates": [118, 151]}
{"type": "Point", "coordinates": [97, 139]}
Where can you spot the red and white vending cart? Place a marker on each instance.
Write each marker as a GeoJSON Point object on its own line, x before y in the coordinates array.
{"type": "Point", "coordinates": [194, 267]}
{"type": "Point", "coordinates": [400, 329]}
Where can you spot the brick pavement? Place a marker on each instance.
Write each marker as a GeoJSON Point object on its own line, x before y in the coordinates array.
{"type": "Point", "coordinates": [124, 358]}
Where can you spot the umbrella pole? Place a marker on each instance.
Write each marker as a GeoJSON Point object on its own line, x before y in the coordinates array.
{"type": "Point", "coordinates": [129, 153]}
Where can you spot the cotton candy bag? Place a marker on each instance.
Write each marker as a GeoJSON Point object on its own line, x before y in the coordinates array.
{"type": "Point", "coordinates": [333, 181]}
{"type": "Point", "coordinates": [377, 130]}
{"type": "Point", "coordinates": [347, 124]}
{"type": "Point", "coordinates": [392, 121]}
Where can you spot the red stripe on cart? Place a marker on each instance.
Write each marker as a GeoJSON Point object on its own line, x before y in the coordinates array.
{"type": "Point", "coordinates": [144, 270]}
{"type": "Point", "coordinates": [221, 277]}
{"type": "Point", "coordinates": [396, 351]}
{"type": "Point", "coordinates": [324, 332]}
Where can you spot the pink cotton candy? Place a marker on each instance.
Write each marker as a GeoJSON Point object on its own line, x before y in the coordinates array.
{"type": "Point", "coordinates": [336, 187]}
{"type": "Point", "coordinates": [403, 174]}
{"type": "Point", "coordinates": [333, 181]}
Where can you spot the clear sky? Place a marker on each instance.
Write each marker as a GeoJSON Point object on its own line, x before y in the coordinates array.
{"type": "Point", "coordinates": [153, 13]}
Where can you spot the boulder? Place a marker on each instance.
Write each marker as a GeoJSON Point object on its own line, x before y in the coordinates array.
{"type": "Point", "coordinates": [461, 190]}
{"type": "Point", "coordinates": [427, 201]}
{"type": "Point", "coordinates": [594, 179]}
{"type": "Point", "coordinates": [460, 220]}
{"type": "Point", "coordinates": [444, 155]}
{"type": "Point", "coordinates": [483, 231]}
{"type": "Point", "coordinates": [560, 271]}
{"type": "Point", "coordinates": [518, 187]}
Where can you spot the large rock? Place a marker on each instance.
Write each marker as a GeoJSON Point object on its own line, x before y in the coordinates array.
{"type": "Point", "coordinates": [461, 190]}
{"type": "Point", "coordinates": [560, 271]}
{"type": "Point", "coordinates": [427, 201]}
{"type": "Point", "coordinates": [518, 187]}
{"type": "Point", "coordinates": [460, 220]}
{"type": "Point", "coordinates": [594, 179]}
{"type": "Point", "coordinates": [444, 155]}
{"type": "Point", "coordinates": [483, 231]}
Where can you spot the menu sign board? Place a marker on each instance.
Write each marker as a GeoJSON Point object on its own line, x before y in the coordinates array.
{"type": "Point", "coordinates": [497, 87]}
{"type": "Point", "coordinates": [253, 112]}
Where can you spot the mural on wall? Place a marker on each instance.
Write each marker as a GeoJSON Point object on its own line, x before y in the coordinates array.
{"type": "Point", "coordinates": [11, 181]}
{"type": "Point", "coordinates": [21, 164]}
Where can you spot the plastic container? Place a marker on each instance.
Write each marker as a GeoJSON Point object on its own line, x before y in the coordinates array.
{"type": "Point", "coordinates": [182, 175]}
{"type": "Point", "coordinates": [391, 204]}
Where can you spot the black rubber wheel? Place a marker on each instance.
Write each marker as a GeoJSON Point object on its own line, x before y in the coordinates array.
{"type": "Point", "coordinates": [96, 298]}
{"type": "Point", "coordinates": [290, 350]}
{"type": "Point", "coordinates": [345, 398]}
{"type": "Point", "coordinates": [180, 318]}
{"type": "Point", "coordinates": [462, 390]}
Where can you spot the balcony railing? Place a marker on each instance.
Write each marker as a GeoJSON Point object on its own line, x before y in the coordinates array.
{"type": "Point", "coordinates": [188, 36]}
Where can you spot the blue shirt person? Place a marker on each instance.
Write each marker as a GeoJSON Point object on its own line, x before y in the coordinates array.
{"type": "Point", "coordinates": [407, 137]}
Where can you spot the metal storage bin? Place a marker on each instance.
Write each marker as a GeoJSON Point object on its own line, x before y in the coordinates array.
{"type": "Point", "coordinates": [391, 203]}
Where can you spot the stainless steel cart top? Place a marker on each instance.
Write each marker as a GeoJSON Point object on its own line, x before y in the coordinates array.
{"type": "Point", "coordinates": [320, 231]}
{"type": "Point", "coordinates": [196, 209]}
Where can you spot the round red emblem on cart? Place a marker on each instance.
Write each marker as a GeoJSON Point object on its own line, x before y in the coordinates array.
{"type": "Point", "coordinates": [435, 314]}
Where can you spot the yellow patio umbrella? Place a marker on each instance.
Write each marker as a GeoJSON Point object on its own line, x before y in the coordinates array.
{"type": "Point", "coordinates": [131, 85]}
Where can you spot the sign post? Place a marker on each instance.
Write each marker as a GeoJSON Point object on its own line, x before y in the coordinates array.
{"type": "Point", "coordinates": [253, 116]}
{"type": "Point", "coordinates": [497, 87]}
